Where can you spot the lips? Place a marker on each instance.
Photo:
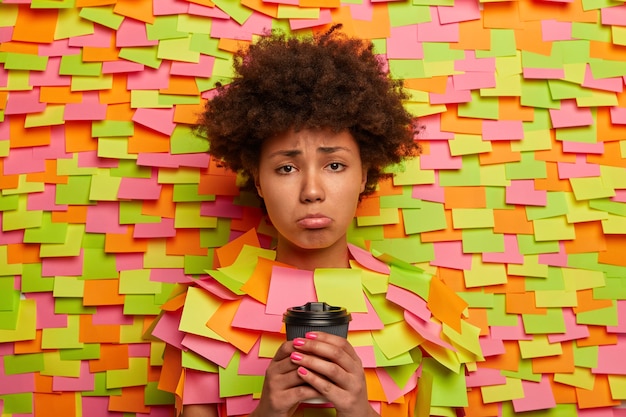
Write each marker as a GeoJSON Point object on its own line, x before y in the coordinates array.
{"type": "Point", "coordinates": [316, 221]}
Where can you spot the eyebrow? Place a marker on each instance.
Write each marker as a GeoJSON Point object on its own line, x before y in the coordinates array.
{"type": "Point", "coordinates": [321, 149]}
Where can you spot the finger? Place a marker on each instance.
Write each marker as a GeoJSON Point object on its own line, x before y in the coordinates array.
{"type": "Point", "coordinates": [334, 340]}
{"type": "Point", "coordinates": [326, 369]}
{"type": "Point", "coordinates": [334, 349]}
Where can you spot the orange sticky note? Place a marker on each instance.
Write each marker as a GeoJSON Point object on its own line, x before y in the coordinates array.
{"type": "Point", "coordinates": [49, 176]}
{"type": "Point", "coordinates": [375, 391]}
{"type": "Point", "coordinates": [598, 336]}
{"type": "Point", "coordinates": [163, 207]}
{"type": "Point", "coordinates": [509, 108]}
{"type": "Point", "coordinates": [465, 197]}
{"type": "Point", "coordinates": [435, 84]}
{"type": "Point", "coordinates": [586, 302]}
{"type": "Point", "coordinates": [450, 122]}
{"type": "Point", "coordinates": [522, 303]}
{"type": "Point", "coordinates": [181, 85]}
{"type": "Point", "coordinates": [23, 253]}
{"type": "Point", "coordinates": [131, 401]}
{"type": "Point", "coordinates": [78, 137]}
{"type": "Point", "coordinates": [508, 361]}
{"type": "Point", "coordinates": [512, 221]}
{"type": "Point", "coordinates": [59, 95]}
{"type": "Point", "coordinates": [147, 140]}
{"type": "Point", "coordinates": [221, 321]}
{"type": "Point", "coordinates": [49, 405]}
{"type": "Point", "coordinates": [124, 243]}
{"type": "Point", "coordinates": [615, 249]}
{"type": "Point", "coordinates": [476, 407]}
{"type": "Point", "coordinates": [120, 111]}
{"type": "Point", "coordinates": [260, 6]}
{"type": "Point", "coordinates": [188, 113]}
{"type": "Point", "coordinates": [137, 9]}
{"type": "Point", "coordinates": [228, 253]}
{"type": "Point", "coordinates": [563, 363]}
{"type": "Point", "coordinates": [74, 214]}
{"type": "Point", "coordinates": [258, 285]}
{"type": "Point", "coordinates": [445, 304]}
{"type": "Point", "coordinates": [599, 396]}
{"type": "Point", "coordinates": [472, 35]}
{"type": "Point", "coordinates": [612, 156]}
{"type": "Point", "coordinates": [112, 356]}
{"type": "Point", "coordinates": [118, 93]}
{"type": "Point", "coordinates": [21, 137]}
{"type": "Point", "coordinates": [102, 292]}
{"type": "Point", "coordinates": [501, 153]}
{"type": "Point", "coordinates": [369, 206]}
{"type": "Point", "coordinates": [589, 238]}
{"type": "Point", "coordinates": [101, 333]}
{"type": "Point", "coordinates": [186, 242]}
{"type": "Point", "coordinates": [35, 25]}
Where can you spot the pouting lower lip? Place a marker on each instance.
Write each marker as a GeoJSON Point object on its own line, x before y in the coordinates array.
{"type": "Point", "coordinates": [314, 222]}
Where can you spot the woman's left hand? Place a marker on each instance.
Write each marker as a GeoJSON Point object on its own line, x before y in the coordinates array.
{"type": "Point", "coordinates": [330, 365]}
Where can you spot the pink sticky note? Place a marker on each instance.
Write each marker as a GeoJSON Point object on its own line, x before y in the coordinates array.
{"type": "Point", "coordinates": [366, 259]}
{"type": "Point", "coordinates": [409, 301]}
{"type": "Point", "coordinates": [429, 192]}
{"type": "Point", "coordinates": [114, 314]}
{"type": "Point", "coordinates": [166, 329]}
{"type": "Point", "coordinates": [150, 78]}
{"type": "Point", "coordinates": [256, 24]}
{"type": "Point", "coordinates": [168, 275]}
{"type": "Point", "coordinates": [503, 130]}
{"type": "Point", "coordinates": [166, 160]}
{"type": "Point", "coordinates": [580, 169]}
{"type": "Point", "coordinates": [510, 332]}
{"type": "Point", "coordinates": [161, 120]}
{"type": "Point", "coordinates": [554, 30]}
{"type": "Point", "coordinates": [90, 159]}
{"type": "Point", "coordinates": [462, 11]}
{"type": "Point", "coordinates": [204, 67]}
{"type": "Point", "coordinates": [129, 261]}
{"type": "Point", "coordinates": [98, 407]}
{"type": "Point", "coordinates": [56, 148]}
{"type": "Point", "coordinates": [367, 356]}
{"type": "Point", "coordinates": [6, 33]}
{"type": "Point", "coordinates": [511, 254]}
{"type": "Point", "coordinates": [89, 109]}
{"type": "Point", "coordinates": [99, 38]}
{"type": "Point", "coordinates": [139, 189]}
{"type": "Point", "coordinates": [240, 405]}
{"type": "Point", "coordinates": [474, 80]}
{"type": "Point", "coordinates": [223, 206]}
{"type": "Point", "coordinates": [491, 347]}
{"type": "Point", "coordinates": [46, 317]}
{"type": "Point", "coordinates": [362, 11]}
{"type": "Point", "coordinates": [116, 67]}
{"type": "Point", "coordinates": [252, 364]}
{"type": "Point", "coordinates": [403, 44]}
{"type": "Point", "coordinates": [366, 321]}
{"type": "Point", "coordinates": [104, 218]}
{"type": "Point", "coordinates": [263, 321]}
{"type": "Point", "coordinates": [85, 382]}
{"type": "Point", "coordinates": [430, 129]}
{"type": "Point", "coordinates": [611, 358]}
{"type": "Point", "coordinates": [620, 196]}
{"type": "Point", "coordinates": [63, 266]}
{"type": "Point", "coordinates": [392, 391]}
{"type": "Point", "coordinates": [197, 387]}
{"type": "Point", "coordinates": [17, 383]}
{"type": "Point", "coordinates": [217, 289]}
{"type": "Point", "coordinates": [24, 102]}
{"type": "Point", "coordinates": [614, 84]}
{"type": "Point", "coordinates": [451, 95]}
{"type": "Point", "coordinates": [523, 192]}
{"type": "Point", "coordinates": [12, 237]}
{"type": "Point", "coordinates": [216, 351]}
{"type": "Point", "coordinates": [439, 157]}
{"type": "Point", "coordinates": [170, 7]}
{"type": "Point", "coordinates": [133, 32]}
{"type": "Point", "coordinates": [618, 115]}
{"type": "Point", "coordinates": [484, 377]}
{"type": "Point", "coordinates": [165, 228]}
{"type": "Point", "coordinates": [543, 73]}
{"type": "Point", "coordinates": [573, 330]}
{"type": "Point", "coordinates": [613, 15]}
{"type": "Point", "coordinates": [200, 10]}
{"type": "Point", "coordinates": [450, 255]}
{"type": "Point", "coordinates": [582, 147]}
{"type": "Point", "coordinates": [58, 48]}
{"type": "Point", "coordinates": [427, 329]}
{"type": "Point", "coordinates": [288, 288]}
{"type": "Point", "coordinates": [537, 396]}
{"type": "Point", "coordinates": [621, 314]}
{"type": "Point", "coordinates": [21, 161]}
{"type": "Point", "coordinates": [570, 115]}
{"type": "Point", "coordinates": [325, 17]}
{"type": "Point", "coordinates": [437, 31]}
{"type": "Point", "coordinates": [473, 64]}
{"type": "Point", "coordinates": [50, 76]}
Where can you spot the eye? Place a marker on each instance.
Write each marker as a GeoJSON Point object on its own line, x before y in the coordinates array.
{"type": "Point", "coordinates": [336, 166]}
{"type": "Point", "coordinates": [285, 169]}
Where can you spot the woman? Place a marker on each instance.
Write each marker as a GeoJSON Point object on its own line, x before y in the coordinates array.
{"type": "Point", "coordinates": [310, 124]}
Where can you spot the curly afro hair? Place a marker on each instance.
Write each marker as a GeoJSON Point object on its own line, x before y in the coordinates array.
{"type": "Point", "coordinates": [324, 81]}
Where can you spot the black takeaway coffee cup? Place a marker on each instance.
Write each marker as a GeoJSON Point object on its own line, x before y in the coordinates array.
{"type": "Point", "coordinates": [316, 316]}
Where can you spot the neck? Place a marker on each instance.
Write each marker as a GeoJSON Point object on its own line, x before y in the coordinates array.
{"type": "Point", "coordinates": [336, 256]}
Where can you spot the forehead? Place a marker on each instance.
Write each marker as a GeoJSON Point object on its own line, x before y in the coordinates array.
{"type": "Point", "coordinates": [308, 139]}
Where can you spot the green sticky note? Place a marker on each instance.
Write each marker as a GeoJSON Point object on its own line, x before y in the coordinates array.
{"type": "Point", "coordinates": [468, 175]}
{"type": "Point", "coordinates": [199, 307]}
{"type": "Point", "coordinates": [68, 287]}
{"type": "Point", "coordinates": [53, 115]}
{"type": "Point", "coordinates": [75, 191]}
{"type": "Point", "coordinates": [194, 24]}
{"type": "Point", "coordinates": [286, 11]}
{"type": "Point", "coordinates": [582, 134]}
{"type": "Point", "coordinates": [524, 371]}
{"type": "Point", "coordinates": [396, 339]}
{"type": "Point", "coordinates": [476, 299]}
{"type": "Point", "coordinates": [9, 297]}
{"type": "Point", "coordinates": [140, 304]}
{"type": "Point", "coordinates": [404, 200]}
{"type": "Point", "coordinates": [535, 93]}
{"type": "Point", "coordinates": [18, 403]}
{"type": "Point", "coordinates": [552, 282]}
{"type": "Point", "coordinates": [409, 249]}
{"type": "Point", "coordinates": [98, 264]}
{"type": "Point", "coordinates": [135, 375]}
{"type": "Point", "coordinates": [466, 144]}
{"type": "Point", "coordinates": [585, 356]}
{"type": "Point", "coordinates": [74, 65]}
{"type": "Point", "coordinates": [214, 238]}
{"type": "Point", "coordinates": [32, 281]}
{"type": "Point", "coordinates": [601, 317]}
{"type": "Point", "coordinates": [411, 279]}
{"type": "Point", "coordinates": [137, 281]}
{"type": "Point", "coordinates": [404, 14]}
{"type": "Point", "coordinates": [106, 128]}
{"type": "Point", "coordinates": [409, 172]}
{"type": "Point", "coordinates": [87, 352]}
{"type": "Point", "coordinates": [7, 269]}
{"type": "Point", "coordinates": [527, 168]}
{"type": "Point", "coordinates": [529, 246]}
{"type": "Point", "coordinates": [23, 363]}
{"type": "Point", "coordinates": [189, 193]}
{"type": "Point", "coordinates": [406, 68]}
{"type": "Point", "coordinates": [480, 108]}
{"type": "Point", "coordinates": [92, 83]}
{"type": "Point", "coordinates": [128, 168]}
{"type": "Point", "coordinates": [194, 361]}
{"type": "Point", "coordinates": [26, 323]}
{"type": "Point", "coordinates": [154, 396]}
{"type": "Point", "coordinates": [530, 268]}
{"type": "Point", "coordinates": [22, 218]}
{"type": "Point", "coordinates": [157, 257]}
{"type": "Point", "coordinates": [47, 232]}
{"type": "Point", "coordinates": [234, 9]}
{"type": "Point", "coordinates": [383, 361]}
{"type": "Point", "coordinates": [10, 317]}
{"type": "Point", "coordinates": [196, 265]}
{"type": "Point", "coordinates": [562, 90]}
{"type": "Point", "coordinates": [164, 27]}
{"type": "Point", "coordinates": [102, 15]}
{"type": "Point", "coordinates": [25, 62]}
{"type": "Point", "coordinates": [70, 24]}
{"type": "Point", "coordinates": [232, 384]}
{"type": "Point", "coordinates": [130, 213]}
{"type": "Point", "coordinates": [551, 322]}
{"type": "Point", "coordinates": [556, 206]}
{"type": "Point", "coordinates": [386, 311]}
{"type": "Point", "coordinates": [71, 306]}
{"type": "Point", "coordinates": [448, 388]}
{"type": "Point", "coordinates": [385, 216]}
{"type": "Point", "coordinates": [205, 44]}
{"type": "Point", "coordinates": [100, 389]}
{"type": "Point", "coordinates": [497, 315]}
{"type": "Point", "coordinates": [482, 240]}
{"type": "Point", "coordinates": [104, 187]}
{"type": "Point", "coordinates": [183, 141]}
{"type": "Point", "coordinates": [534, 140]}
{"type": "Point", "coordinates": [114, 148]}
{"type": "Point", "coordinates": [340, 287]}
{"type": "Point", "coordinates": [429, 217]}
{"type": "Point", "coordinates": [146, 55]}
{"type": "Point", "coordinates": [53, 365]}
{"type": "Point", "coordinates": [71, 246]}
{"type": "Point", "coordinates": [555, 228]}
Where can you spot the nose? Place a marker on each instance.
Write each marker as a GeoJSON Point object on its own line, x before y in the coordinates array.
{"type": "Point", "coordinates": [312, 188]}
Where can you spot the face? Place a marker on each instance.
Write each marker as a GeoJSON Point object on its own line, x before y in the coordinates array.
{"type": "Point", "coordinates": [311, 181]}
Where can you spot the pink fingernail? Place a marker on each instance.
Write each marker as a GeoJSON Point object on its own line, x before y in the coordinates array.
{"type": "Point", "coordinates": [302, 371]}
{"type": "Point", "coordinates": [310, 335]}
{"type": "Point", "coordinates": [296, 356]}
{"type": "Point", "coordinates": [298, 342]}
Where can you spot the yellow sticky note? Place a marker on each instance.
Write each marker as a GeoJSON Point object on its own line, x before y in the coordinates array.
{"type": "Point", "coordinates": [615, 225]}
{"type": "Point", "coordinates": [511, 390]}
{"type": "Point", "coordinates": [270, 342]}
{"type": "Point", "coordinates": [25, 328]}
{"type": "Point", "coordinates": [137, 281]}
{"type": "Point", "coordinates": [484, 274]}
{"type": "Point", "coordinates": [199, 307]}
{"type": "Point", "coordinates": [580, 378]}
{"type": "Point", "coordinates": [62, 337]}
{"type": "Point", "coordinates": [618, 386]}
{"type": "Point", "coordinates": [409, 172]}
{"type": "Point", "coordinates": [553, 228]}
{"type": "Point", "coordinates": [467, 144]}
{"type": "Point", "coordinates": [114, 147]}
{"type": "Point", "coordinates": [55, 366]}
{"type": "Point", "coordinates": [472, 218]}
{"type": "Point", "coordinates": [396, 339]}
{"type": "Point", "coordinates": [104, 187]}
{"type": "Point", "coordinates": [556, 298]}
{"type": "Point", "coordinates": [340, 287]}
{"type": "Point", "coordinates": [135, 375]}
{"type": "Point", "coordinates": [389, 215]}
{"type": "Point", "coordinates": [187, 215]}
{"type": "Point", "coordinates": [71, 247]}
{"type": "Point", "coordinates": [157, 257]}
{"type": "Point", "coordinates": [582, 279]}
{"type": "Point", "coordinates": [588, 188]}
{"type": "Point", "coordinates": [530, 268]}
{"type": "Point", "coordinates": [539, 347]}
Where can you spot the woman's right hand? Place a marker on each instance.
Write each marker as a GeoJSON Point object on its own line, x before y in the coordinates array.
{"type": "Point", "coordinates": [283, 389]}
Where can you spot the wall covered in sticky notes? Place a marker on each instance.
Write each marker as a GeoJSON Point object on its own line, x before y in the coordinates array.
{"type": "Point", "coordinates": [107, 199]}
